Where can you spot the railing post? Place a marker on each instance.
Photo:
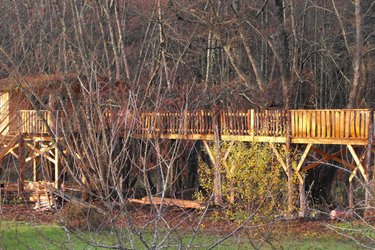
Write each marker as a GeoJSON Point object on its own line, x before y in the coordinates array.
{"type": "Point", "coordinates": [252, 122]}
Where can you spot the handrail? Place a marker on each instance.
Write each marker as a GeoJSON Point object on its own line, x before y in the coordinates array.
{"type": "Point", "coordinates": [248, 122]}
{"type": "Point", "coordinates": [304, 124]}
{"type": "Point", "coordinates": [319, 123]}
{"type": "Point", "coordinates": [339, 124]}
{"type": "Point", "coordinates": [38, 121]}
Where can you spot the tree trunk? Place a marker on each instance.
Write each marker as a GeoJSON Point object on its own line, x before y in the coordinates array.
{"type": "Point", "coordinates": [357, 58]}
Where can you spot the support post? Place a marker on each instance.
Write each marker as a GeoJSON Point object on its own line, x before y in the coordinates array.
{"type": "Point", "coordinates": [218, 199]}
{"type": "Point", "coordinates": [21, 165]}
{"type": "Point", "coordinates": [35, 177]}
{"type": "Point", "coordinates": [288, 163]}
{"type": "Point", "coordinates": [302, 187]}
{"type": "Point", "coordinates": [57, 171]}
{"type": "Point", "coordinates": [252, 122]}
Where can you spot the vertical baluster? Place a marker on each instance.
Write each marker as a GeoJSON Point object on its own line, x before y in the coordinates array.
{"type": "Point", "coordinates": [347, 123]}
{"type": "Point", "coordinates": [357, 124]}
{"type": "Point", "coordinates": [294, 122]}
{"type": "Point", "coordinates": [313, 124]}
{"type": "Point", "coordinates": [319, 123]}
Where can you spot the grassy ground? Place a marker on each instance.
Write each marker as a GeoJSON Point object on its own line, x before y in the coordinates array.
{"type": "Point", "coordinates": [22, 235]}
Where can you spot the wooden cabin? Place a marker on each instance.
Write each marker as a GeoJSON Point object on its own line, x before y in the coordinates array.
{"type": "Point", "coordinates": [20, 97]}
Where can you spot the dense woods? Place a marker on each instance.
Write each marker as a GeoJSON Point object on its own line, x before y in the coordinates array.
{"type": "Point", "coordinates": [310, 54]}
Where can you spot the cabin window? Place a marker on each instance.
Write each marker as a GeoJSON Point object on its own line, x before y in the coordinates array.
{"type": "Point", "coordinates": [4, 113]}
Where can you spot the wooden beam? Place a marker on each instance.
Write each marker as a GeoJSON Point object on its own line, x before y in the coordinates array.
{"type": "Point", "coordinates": [279, 157]}
{"type": "Point", "coordinates": [328, 157]}
{"type": "Point", "coordinates": [35, 168]}
{"type": "Point", "coordinates": [168, 202]}
{"type": "Point", "coordinates": [228, 150]}
{"type": "Point", "coordinates": [303, 157]}
{"type": "Point", "coordinates": [40, 152]}
{"type": "Point", "coordinates": [13, 144]}
{"type": "Point", "coordinates": [57, 171]}
{"type": "Point", "coordinates": [352, 175]}
{"type": "Point", "coordinates": [21, 165]}
{"type": "Point", "coordinates": [210, 154]}
{"type": "Point", "coordinates": [358, 162]}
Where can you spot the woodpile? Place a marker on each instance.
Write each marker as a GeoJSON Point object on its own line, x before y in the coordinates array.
{"type": "Point", "coordinates": [40, 194]}
{"type": "Point", "coordinates": [341, 214]}
{"type": "Point", "coordinates": [168, 202]}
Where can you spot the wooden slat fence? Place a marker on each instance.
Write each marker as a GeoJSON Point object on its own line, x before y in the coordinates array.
{"type": "Point", "coordinates": [33, 122]}
{"type": "Point", "coordinates": [340, 123]}
{"type": "Point", "coordinates": [250, 122]}
{"type": "Point", "coordinates": [305, 124]}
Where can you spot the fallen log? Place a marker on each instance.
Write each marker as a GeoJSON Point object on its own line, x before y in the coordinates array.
{"type": "Point", "coordinates": [168, 202]}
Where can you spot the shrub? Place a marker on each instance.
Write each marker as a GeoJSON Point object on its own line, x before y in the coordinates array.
{"type": "Point", "coordinates": [251, 179]}
{"type": "Point", "coordinates": [76, 216]}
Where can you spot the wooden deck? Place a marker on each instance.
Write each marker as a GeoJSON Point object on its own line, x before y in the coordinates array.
{"type": "Point", "coordinates": [341, 126]}
{"type": "Point", "coordinates": [38, 132]}
{"type": "Point", "coordinates": [321, 126]}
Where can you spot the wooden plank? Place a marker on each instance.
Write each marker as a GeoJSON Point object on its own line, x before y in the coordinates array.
{"type": "Point", "coordinates": [279, 157]}
{"type": "Point", "coordinates": [318, 123]}
{"type": "Point", "coordinates": [367, 123]}
{"type": "Point", "coordinates": [333, 156]}
{"type": "Point", "coordinates": [313, 124]}
{"type": "Point", "coordinates": [357, 125]}
{"type": "Point", "coordinates": [330, 141]}
{"type": "Point", "coordinates": [352, 123]}
{"type": "Point", "coordinates": [12, 145]}
{"type": "Point", "coordinates": [324, 125]}
{"type": "Point", "coordinates": [328, 120]}
{"type": "Point", "coordinates": [57, 168]}
{"type": "Point", "coordinates": [347, 124]}
{"type": "Point", "coordinates": [168, 202]}
{"type": "Point", "coordinates": [209, 151]}
{"type": "Point", "coordinates": [293, 125]}
{"type": "Point", "coordinates": [302, 124]}
{"type": "Point", "coordinates": [358, 162]}
{"type": "Point", "coordinates": [303, 157]}
{"type": "Point", "coordinates": [342, 124]}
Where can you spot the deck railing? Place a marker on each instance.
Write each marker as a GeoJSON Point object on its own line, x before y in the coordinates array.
{"type": "Point", "coordinates": [38, 121]}
{"type": "Point", "coordinates": [334, 123]}
{"type": "Point", "coordinates": [328, 124]}
{"type": "Point", "coordinates": [250, 122]}
{"type": "Point", "coordinates": [304, 124]}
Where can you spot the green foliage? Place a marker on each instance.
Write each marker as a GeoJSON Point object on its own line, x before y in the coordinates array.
{"type": "Point", "coordinates": [251, 181]}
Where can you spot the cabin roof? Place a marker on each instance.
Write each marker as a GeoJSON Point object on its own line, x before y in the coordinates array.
{"type": "Point", "coordinates": [34, 81]}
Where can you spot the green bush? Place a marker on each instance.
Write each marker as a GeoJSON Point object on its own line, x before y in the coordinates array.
{"type": "Point", "coordinates": [251, 179]}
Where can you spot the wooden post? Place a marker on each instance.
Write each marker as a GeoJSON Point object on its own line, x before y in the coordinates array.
{"type": "Point", "coordinates": [57, 171]}
{"type": "Point", "coordinates": [301, 178]}
{"type": "Point", "coordinates": [288, 163]}
{"type": "Point", "coordinates": [35, 177]}
{"type": "Point", "coordinates": [252, 122]}
{"type": "Point", "coordinates": [21, 165]}
{"type": "Point", "coordinates": [218, 199]}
